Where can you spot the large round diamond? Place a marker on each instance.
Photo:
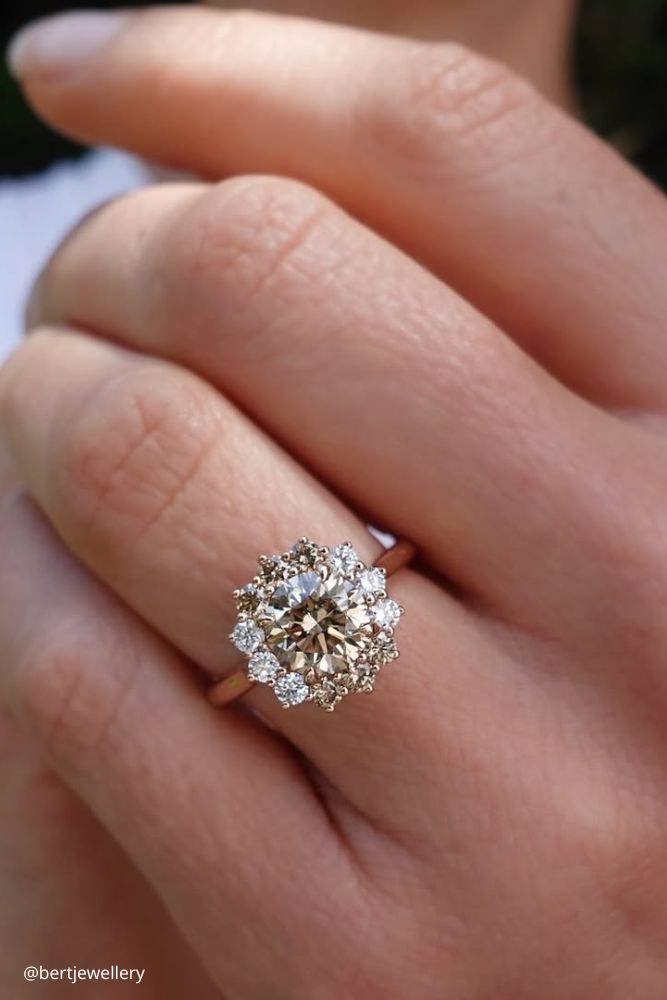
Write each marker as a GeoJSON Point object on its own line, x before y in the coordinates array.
{"type": "Point", "coordinates": [317, 623]}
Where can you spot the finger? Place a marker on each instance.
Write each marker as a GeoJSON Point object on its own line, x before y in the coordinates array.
{"type": "Point", "coordinates": [375, 374]}
{"type": "Point", "coordinates": [65, 879]}
{"type": "Point", "coordinates": [157, 477]}
{"type": "Point", "coordinates": [8, 483]}
{"type": "Point", "coordinates": [173, 508]}
{"type": "Point", "coordinates": [521, 209]}
{"type": "Point", "coordinates": [185, 791]}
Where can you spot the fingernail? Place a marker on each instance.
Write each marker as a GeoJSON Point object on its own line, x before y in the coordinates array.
{"type": "Point", "coordinates": [62, 43]}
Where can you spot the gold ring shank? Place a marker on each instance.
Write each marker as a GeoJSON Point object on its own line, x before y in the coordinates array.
{"type": "Point", "coordinates": [395, 558]}
{"type": "Point", "coordinates": [231, 688]}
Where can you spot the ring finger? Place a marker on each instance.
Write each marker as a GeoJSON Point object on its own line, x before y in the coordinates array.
{"type": "Point", "coordinates": [397, 392]}
{"type": "Point", "coordinates": [169, 494]}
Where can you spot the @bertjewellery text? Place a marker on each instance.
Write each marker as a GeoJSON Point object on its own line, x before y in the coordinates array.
{"type": "Point", "coordinates": [76, 974]}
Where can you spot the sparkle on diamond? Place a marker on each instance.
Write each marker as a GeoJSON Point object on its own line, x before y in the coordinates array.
{"type": "Point", "coordinates": [247, 637]}
{"type": "Point", "coordinates": [263, 667]}
{"type": "Point", "coordinates": [316, 623]}
{"type": "Point", "coordinates": [372, 581]}
{"type": "Point", "coordinates": [387, 613]}
{"type": "Point", "coordinates": [291, 689]}
{"type": "Point", "coordinates": [344, 558]}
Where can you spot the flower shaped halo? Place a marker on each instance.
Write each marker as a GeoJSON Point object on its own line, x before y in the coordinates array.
{"type": "Point", "coordinates": [316, 624]}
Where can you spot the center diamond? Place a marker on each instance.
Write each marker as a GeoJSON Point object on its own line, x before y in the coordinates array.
{"type": "Point", "coordinates": [317, 623]}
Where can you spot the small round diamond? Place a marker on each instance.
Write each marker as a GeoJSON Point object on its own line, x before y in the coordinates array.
{"type": "Point", "coordinates": [304, 552]}
{"type": "Point", "coordinates": [386, 613]}
{"type": "Point", "coordinates": [291, 689]}
{"type": "Point", "coordinates": [360, 678]}
{"type": "Point", "coordinates": [249, 598]}
{"type": "Point", "coordinates": [372, 581]}
{"type": "Point", "coordinates": [383, 649]}
{"type": "Point", "coordinates": [343, 558]}
{"type": "Point", "coordinates": [271, 568]}
{"type": "Point", "coordinates": [247, 637]}
{"type": "Point", "coordinates": [263, 667]}
{"type": "Point", "coordinates": [327, 695]}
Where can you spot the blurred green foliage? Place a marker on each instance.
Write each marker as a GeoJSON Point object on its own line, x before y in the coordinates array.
{"type": "Point", "coordinates": [621, 69]}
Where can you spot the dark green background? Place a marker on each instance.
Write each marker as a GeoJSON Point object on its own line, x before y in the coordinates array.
{"type": "Point", "coordinates": [621, 68]}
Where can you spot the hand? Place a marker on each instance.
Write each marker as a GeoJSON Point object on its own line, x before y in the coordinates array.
{"type": "Point", "coordinates": [491, 822]}
{"type": "Point", "coordinates": [70, 896]}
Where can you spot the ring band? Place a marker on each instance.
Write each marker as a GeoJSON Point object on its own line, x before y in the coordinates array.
{"type": "Point", "coordinates": [316, 623]}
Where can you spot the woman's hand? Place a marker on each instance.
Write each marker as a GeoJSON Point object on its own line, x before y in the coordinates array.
{"type": "Point", "coordinates": [70, 895]}
{"type": "Point", "coordinates": [490, 823]}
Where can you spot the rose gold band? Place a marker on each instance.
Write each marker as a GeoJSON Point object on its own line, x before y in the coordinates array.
{"type": "Point", "coordinates": [395, 558]}
{"type": "Point", "coordinates": [226, 691]}
{"type": "Point", "coordinates": [231, 688]}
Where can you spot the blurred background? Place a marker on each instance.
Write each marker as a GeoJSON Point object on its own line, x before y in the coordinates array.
{"type": "Point", "coordinates": [621, 69]}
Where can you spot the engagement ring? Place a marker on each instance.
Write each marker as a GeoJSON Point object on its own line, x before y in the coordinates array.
{"type": "Point", "coordinates": [316, 624]}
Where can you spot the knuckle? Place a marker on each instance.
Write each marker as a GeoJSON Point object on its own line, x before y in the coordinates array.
{"type": "Point", "coordinates": [237, 242]}
{"type": "Point", "coordinates": [434, 102]}
{"type": "Point", "coordinates": [69, 704]}
{"type": "Point", "coordinates": [132, 450]}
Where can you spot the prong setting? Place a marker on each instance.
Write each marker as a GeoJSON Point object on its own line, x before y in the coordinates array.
{"type": "Point", "coordinates": [316, 624]}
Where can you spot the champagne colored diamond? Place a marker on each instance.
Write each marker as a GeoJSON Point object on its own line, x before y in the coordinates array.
{"type": "Point", "coordinates": [248, 598]}
{"type": "Point", "coordinates": [316, 623]}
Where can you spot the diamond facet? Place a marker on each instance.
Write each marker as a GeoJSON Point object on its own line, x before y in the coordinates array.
{"type": "Point", "coordinates": [316, 623]}
{"type": "Point", "coordinates": [263, 667]}
{"type": "Point", "coordinates": [291, 689]}
{"type": "Point", "coordinates": [247, 637]}
{"type": "Point", "coordinates": [387, 613]}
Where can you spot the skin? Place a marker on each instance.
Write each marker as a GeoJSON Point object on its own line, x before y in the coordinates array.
{"type": "Point", "coordinates": [484, 279]}
{"type": "Point", "coordinates": [533, 38]}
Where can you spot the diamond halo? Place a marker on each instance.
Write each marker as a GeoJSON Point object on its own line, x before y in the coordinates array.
{"type": "Point", "coordinates": [316, 624]}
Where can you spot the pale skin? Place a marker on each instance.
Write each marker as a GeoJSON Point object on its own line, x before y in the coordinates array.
{"type": "Point", "coordinates": [449, 320]}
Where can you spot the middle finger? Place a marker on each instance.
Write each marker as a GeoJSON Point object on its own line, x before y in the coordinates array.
{"type": "Point", "coordinates": [391, 387]}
